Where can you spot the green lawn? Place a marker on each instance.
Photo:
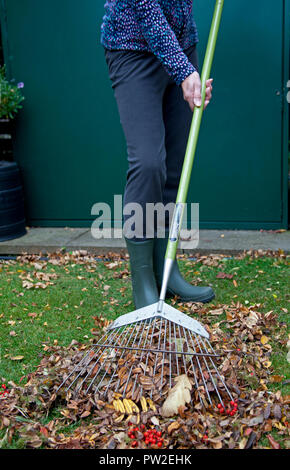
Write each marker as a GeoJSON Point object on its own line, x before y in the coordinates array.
{"type": "Point", "coordinates": [65, 310]}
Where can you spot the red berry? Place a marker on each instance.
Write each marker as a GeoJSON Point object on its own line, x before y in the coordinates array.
{"type": "Point", "coordinates": [205, 437]}
{"type": "Point", "coordinates": [147, 441]}
{"type": "Point", "coordinates": [153, 441]}
{"type": "Point", "coordinates": [232, 413]}
{"type": "Point", "coordinates": [159, 444]}
{"type": "Point", "coordinates": [159, 434]}
{"type": "Point", "coordinates": [136, 429]}
{"type": "Point", "coordinates": [142, 426]}
{"type": "Point", "coordinates": [220, 406]}
{"type": "Point", "coordinates": [134, 444]}
{"type": "Point", "coordinates": [129, 424]}
{"type": "Point", "coordinates": [228, 412]}
{"type": "Point", "coordinates": [222, 410]}
{"type": "Point", "coordinates": [232, 403]}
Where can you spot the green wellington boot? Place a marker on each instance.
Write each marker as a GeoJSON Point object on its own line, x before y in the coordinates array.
{"type": "Point", "coordinates": [177, 285]}
{"type": "Point", "coordinates": [144, 285]}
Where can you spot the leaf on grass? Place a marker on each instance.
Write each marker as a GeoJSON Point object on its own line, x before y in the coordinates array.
{"type": "Point", "coordinates": [277, 412]}
{"type": "Point", "coordinates": [276, 378]}
{"type": "Point", "coordinates": [267, 411]}
{"type": "Point", "coordinates": [179, 395]}
{"type": "Point", "coordinates": [251, 440]}
{"type": "Point", "coordinates": [264, 339]}
{"type": "Point", "coordinates": [273, 443]}
{"type": "Point", "coordinates": [217, 311]}
{"type": "Point", "coordinates": [17, 358]}
{"type": "Point", "coordinates": [251, 320]}
{"type": "Point", "coordinates": [222, 275]}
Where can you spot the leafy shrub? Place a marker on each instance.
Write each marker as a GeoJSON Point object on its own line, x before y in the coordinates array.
{"type": "Point", "coordinates": [10, 96]}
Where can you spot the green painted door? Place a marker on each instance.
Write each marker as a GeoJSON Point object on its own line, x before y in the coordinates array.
{"type": "Point", "coordinates": [69, 142]}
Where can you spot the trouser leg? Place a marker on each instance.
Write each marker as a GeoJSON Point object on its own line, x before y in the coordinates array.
{"type": "Point", "coordinates": [139, 82]}
{"type": "Point", "coordinates": [177, 118]}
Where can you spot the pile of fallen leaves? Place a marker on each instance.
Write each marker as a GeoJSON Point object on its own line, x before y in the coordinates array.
{"type": "Point", "coordinates": [42, 417]}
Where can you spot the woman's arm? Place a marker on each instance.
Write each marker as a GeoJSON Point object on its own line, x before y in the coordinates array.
{"type": "Point", "coordinates": [162, 40]}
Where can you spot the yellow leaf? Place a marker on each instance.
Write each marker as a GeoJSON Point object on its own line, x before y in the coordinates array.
{"type": "Point", "coordinates": [264, 339]}
{"type": "Point", "coordinates": [17, 358]}
{"type": "Point", "coordinates": [267, 364]}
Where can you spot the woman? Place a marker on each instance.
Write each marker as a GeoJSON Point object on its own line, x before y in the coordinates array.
{"type": "Point", "coordinates": [150, 50]}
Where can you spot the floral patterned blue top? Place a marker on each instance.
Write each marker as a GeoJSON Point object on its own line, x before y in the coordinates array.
{"type": "Point", "coordinates": [164, 27]}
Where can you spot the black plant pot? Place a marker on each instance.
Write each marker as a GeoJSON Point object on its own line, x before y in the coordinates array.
{"type": "Point", "coordinates": [12, 218]}
{"type": "Point", "coordinates": [6, 131]}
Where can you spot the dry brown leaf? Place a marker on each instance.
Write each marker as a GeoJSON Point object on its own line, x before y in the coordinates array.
{"type": "Point", "coordinates": [273, 443]}
{"type": "Point", "coordinates": [173, 427]}
{"type": "Point", "coordinates": [276, 378]}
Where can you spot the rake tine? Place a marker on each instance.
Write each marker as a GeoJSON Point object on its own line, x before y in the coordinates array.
{"type": "Point", "coordinates": [147, 357]}
{"type": "Point", "coordinates": [106, 371]}
{"type": "Point", "coordinates": [170, 358]}
{"type": "Point", "coordinates": [184, 361]}
{"type": "Point", "coordinates": [176, 355]}
{"type": "Point", "coordinates": [200, 370]}
{"type": "Point", "coordinates": [208, 369]}
{"type": "Point", "coordinates": [94, 365]}
{"type": "Point", "coordinates": [137, 333]}
{"type": "Point", "coordinates": [163, 355]}
{"type": "Point", "coordinates": [142, 352]}
{"type": "Point", "coordinates": [83, 365]}
{"type": "Point", "coordinates": [193, 369]}
{"type": "Point", "coordinates": [156, 355]}
{"type": "Point", "coordinates": [217, 372]}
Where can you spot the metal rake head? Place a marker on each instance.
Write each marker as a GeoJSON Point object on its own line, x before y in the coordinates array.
{"type": "Point", "coordinates": [143, 352]}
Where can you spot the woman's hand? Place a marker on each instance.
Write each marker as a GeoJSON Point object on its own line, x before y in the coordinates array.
{"type": "Point", "coordinates": [191, 88]}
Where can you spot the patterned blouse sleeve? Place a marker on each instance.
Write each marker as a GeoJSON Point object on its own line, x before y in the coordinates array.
{"type": "Point", "coordinates": [162, 40]}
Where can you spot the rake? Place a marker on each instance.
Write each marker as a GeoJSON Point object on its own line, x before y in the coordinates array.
{"type": "Point", "coordinates": [143, 351]}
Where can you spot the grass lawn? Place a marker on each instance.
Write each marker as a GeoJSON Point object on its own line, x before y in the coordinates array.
{"type": "Point", "coordinates": [76, 292]}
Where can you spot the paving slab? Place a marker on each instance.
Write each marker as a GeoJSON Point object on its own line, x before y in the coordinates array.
{"type": "Point", "coordinates": [45, 240]}
{"type": "Point", "coordinates": [49, 240]}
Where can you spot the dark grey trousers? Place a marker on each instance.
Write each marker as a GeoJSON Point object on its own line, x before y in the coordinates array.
{"type": "Point", "coordinates": [156, 122]}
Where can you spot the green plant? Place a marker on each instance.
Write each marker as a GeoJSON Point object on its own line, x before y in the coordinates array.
{"type": "Point", "coordinates": [10, 96]}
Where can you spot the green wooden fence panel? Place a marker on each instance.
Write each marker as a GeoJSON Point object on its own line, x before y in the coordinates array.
{"type": "Point", "coordinates": [69, 142]}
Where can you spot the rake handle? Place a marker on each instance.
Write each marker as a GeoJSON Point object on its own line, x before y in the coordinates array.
{"type": "Point", "coordinates": [193, 136]}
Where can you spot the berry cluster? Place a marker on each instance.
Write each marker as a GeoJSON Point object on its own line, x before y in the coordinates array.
{"type": "Point", "coordinates": [232, 409]}
{"type": "Point", "coordinates": [150, 437]}
{"type": "Point", "coordinates": [4, 391]}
